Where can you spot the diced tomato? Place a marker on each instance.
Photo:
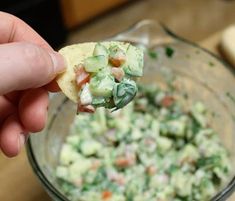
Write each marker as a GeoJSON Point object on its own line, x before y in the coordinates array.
{"type": "Point", "coordinates": [106, 195]}
{"type": "Point", "coordinates": [122, 162]}
{"type": "Point", "coordinates": [125, 161]}
{"type": "Point", "coordinates": [117, 62]}
{"type": "Point", "coordinates": [151, 170]}
{"type": "Point", "coordinates": [82, 77]}
{"type": "Point", "coordinates": [167, 101]}
{"type": "Point", "coordinates": [120, 179]}
{"type": "Point", "coordinates": [95, 164]}
{"type": "Point", "coordinates": [85, 108]}
{"type": "Point", "coordinates": [118, 73]}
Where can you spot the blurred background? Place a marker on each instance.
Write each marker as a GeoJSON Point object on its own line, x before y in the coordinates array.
{"type": "Point", "coordinates": [63, 22]}
{"type": "Point", "coordinates": [69, 21]}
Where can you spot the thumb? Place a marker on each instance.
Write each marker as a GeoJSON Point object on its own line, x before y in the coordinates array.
{"type": "Point", "coordinates": [25, 65]}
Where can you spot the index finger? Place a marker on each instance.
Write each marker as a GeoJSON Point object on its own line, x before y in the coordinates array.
{"type": "Point", "coordinates": [13, 29]}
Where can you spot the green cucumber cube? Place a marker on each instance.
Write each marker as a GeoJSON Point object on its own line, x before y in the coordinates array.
{"type": "Point", "coordinates": [95, 63]}
{"type": "Point", "coordinates": [134, 62]}
{"type": "Point", "coordinates": [102, 84]}
{"type": "Point", "coordinates": [100, 50]}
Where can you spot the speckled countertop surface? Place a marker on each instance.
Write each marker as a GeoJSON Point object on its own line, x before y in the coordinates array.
{"type": "Point", "coordinates": [196, 20]}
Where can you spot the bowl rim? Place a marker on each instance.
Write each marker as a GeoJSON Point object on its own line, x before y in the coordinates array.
{"type": "Point", "coordinates": [222, 195]}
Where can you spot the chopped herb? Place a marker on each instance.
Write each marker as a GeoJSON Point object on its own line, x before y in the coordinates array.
{"type": "Point", "coordinates": [152, 54]}
{"type": "Point", "coordinates": [188, 56]}
{"type": "Point", "coordinates": [173, 168]}
{"type": "Point", "coordinates": [229, 95]}
{"type": "Point", "coordinates": [213, 114]}
{"type": "Point", "coordinates": [226, 170]}
{"type": "Point", "coordinates": [209, 162]}
{"type": "Point", "coordinates": [185, 95]}
{"type": "Point", "coordinates": [169, 51]}
{"type": "Point", "coordinates": [211, 64]}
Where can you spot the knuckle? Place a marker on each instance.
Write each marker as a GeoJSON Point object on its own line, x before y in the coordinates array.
{"type": "Point", "coordinates": [35, 56]}
{"type": "Point", "coordinates": [32, 53]}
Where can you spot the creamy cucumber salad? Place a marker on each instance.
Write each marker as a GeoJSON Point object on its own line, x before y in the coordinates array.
{"type": "Point", "coordinates": [152, 150]}
{"type": "Point", "coordinates": [101, 74]}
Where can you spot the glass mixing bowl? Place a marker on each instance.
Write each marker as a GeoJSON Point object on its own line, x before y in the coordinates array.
{"type": "Point", "coordinates": [196, 71]}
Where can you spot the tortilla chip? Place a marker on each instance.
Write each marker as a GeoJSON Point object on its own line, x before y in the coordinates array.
{"type": "Point", "coordinates": [74, 55]}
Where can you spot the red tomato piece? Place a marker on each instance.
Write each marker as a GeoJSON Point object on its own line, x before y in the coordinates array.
{"type": "Point", "coordinates": [118, 73]}
{"type": "Point", "coordinates": [167, 101]}
{"type": "Point", "coordinates": [82, 77]}
{"type": "Point", "coordinates": [85, 108]}
{"type": "Point", "coordinates": [106, 195]}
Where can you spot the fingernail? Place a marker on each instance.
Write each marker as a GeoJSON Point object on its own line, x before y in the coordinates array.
{"type": "Point", "coordinates": [21, 140]}
{"type": "Point", "coordinates": [58, 62]}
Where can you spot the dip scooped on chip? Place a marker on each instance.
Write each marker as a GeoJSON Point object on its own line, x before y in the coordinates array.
{"type": "Point", "coordinates": [101, 74]}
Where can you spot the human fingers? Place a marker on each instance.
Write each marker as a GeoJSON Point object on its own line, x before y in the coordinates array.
{"type": "Point", "coordinates": [25, 65]}
{"type": "Point", "coordinates": [6, 108]}
{"type": "Point", "coordinates": [12, 136]}
{"type": "Point", "coordinates": [33, 109]}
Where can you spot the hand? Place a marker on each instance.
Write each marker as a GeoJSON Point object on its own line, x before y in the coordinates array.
{"type": "Point", "coordinates": [27, 65]}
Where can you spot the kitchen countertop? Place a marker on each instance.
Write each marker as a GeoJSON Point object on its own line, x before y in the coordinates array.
{"type": "Point", "coordinates": [17, 181]}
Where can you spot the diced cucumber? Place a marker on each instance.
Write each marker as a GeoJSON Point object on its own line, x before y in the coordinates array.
{"type": "Point", "coordinates": [176, 128]}
{"type": "Point", "coordinates": [98, 101]}
{"type": "Point", "coordinates": [136, 134]}
{"type": "Point", "coordinates": [78, 168]}
{"type": "Point", "coordinates": [62, 172]}
{"type": "Point", "coordinates": [102, 84]}
{"type": "Point", "coordinates": [166, 193]}
{"type": "Point", "coordinates": [164, 144]}
{"type": "Point", "coordinates": [95, 63]}
{"type": "Point", "coordinates": [100, 50]}
{"type": "Point", "coordinates": [199, 107]}
{"type": "Point", "coordinates": [115, 51]}
{"type": "Point", "coordinates": [206, 189]}
{"type": "Point", "coordinates": [183, 183]}
{"type": "Point", "coordinates": [159, 181]}
{"type": "Point", "coordinates": [95, 126]}
{"type": "Point", "coordinates": [102, 102]}
{"type": "Point", "coordinates": [91, 195]}
{"type": "Point", "coordinates": [98, 124]}
{"type": "Point", "coordinates": [199, 113]}
{"type": "Point", "coordinates": [90, 147]}
{"type": "Point", "coordinates": [134, 61]}
{"type": "Point", "coordinates": [68, 154]}
{"type": "Point", "coordinates": [189, 154]}
{"type": "Point", "coordinates": [73, 140]}
{"type": "Point", "coordinates": [100, 116]}
{"type": "Point", "coordinates": [116, 197]}
{"type": "Point", "coordinates": [155, 127]}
